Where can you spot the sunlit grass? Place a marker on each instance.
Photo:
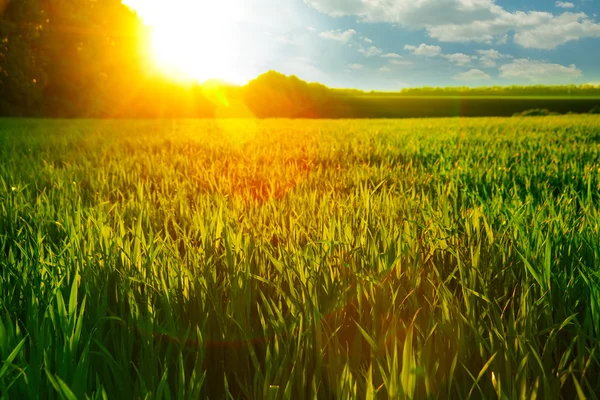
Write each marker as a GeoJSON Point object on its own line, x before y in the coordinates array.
{"type": "Point", "coordinates": [373, 259]}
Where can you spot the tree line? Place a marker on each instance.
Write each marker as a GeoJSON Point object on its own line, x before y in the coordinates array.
{"type": "Point", "coordinates": [73, 58]}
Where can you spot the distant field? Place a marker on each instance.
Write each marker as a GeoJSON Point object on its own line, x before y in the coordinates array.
{"type": "Point", "coordinates": [402, 106]}
{"type": "Point", "coordinates": [482, 97]}
{"type": "Point", "coordinates": [277, 259]}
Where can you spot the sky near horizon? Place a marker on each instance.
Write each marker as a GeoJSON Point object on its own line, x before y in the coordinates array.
{"type": "Point", "coordinates": [392, 44]}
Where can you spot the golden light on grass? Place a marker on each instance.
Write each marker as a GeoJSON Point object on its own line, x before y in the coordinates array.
{"type": "Point", "coordinates": [194, 40]}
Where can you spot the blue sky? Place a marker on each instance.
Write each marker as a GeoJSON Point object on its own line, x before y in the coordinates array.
{"type": "Point", "coordinates": [380, 44]}
{"type": "Point", "coordinates": [391, 44]}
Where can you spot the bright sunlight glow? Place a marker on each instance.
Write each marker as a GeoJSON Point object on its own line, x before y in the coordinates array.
{"type": "Point", "coordinates": [194, 39]}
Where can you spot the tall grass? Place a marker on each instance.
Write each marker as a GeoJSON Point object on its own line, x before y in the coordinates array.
{"type": "Point", "coordinates": [294, 259]}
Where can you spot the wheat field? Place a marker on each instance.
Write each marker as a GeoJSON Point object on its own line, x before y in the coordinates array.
{"type": "Point", "coordinates": [279, 259]}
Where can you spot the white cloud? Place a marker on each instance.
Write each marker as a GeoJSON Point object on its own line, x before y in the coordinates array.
{"type": "Point", "coordinates": [416, 13]}
{"type": "Point", "coordinates": [311, 29]}
{"type": "Point", "coordinates": [489, 30]}
{"type": "Point", "coordinates": [492, 54]}
{"type": "Point", "coordinates": [481, 21]}
{"type": "Point", "coordinates": [538, 71]}
{"type": "Point", "coordinates": [367, 40]}
{"type": "Point", "coordinates": [424, 50]}
{"type": "Point", "coordinates": [562, 29]}
{"type": "Point", "coordinates": [391, 55]}
{"type": "Point", "coordinates": [538, 30]}
{"type": "Point", "coordinates": [385, 69]}
{"type": "Point", "coordinates": [356, 67]}
{"type": "Point", "coordinates": [337, 8]}
{"type": "Point", "coordinates": [487, 63]}
{"type": "Point", "coordinates": [564, 4]}
{"type": "Point", "coordinates": [395, 61]}
{"type": "Point", "coordinates": [489, 57]}
{"type": "Point", "coordinates": [338, 35]}
{"type": "Point", "coordinates": [472, 75]}
{"type": "Point", "coordinates": [370, 52]}
{"type": "Point", "coordinates": [460, 59]}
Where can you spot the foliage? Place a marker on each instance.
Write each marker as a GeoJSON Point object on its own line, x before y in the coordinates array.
{"type": "Point", "coordinates": [536, 112]}
{"type": "Point", "coordinates": [68, 58]}
{"type": "Point", "coordinates": [448, 258]}
{"type": "Point", "coordinates": [532, 90]}
{"type": "Point", "coordinates": [595, 110]}
{"type": "Point", "coordinates": [22, 62]}
{"type": "Point", "coordinates": [276, 95]}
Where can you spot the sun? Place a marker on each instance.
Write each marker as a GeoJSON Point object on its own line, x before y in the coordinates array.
{"type": "Point", "coordinates": [194, 39]}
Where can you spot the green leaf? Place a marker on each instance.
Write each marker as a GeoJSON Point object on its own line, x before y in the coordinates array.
{"type": "Point", "coordinates": [408, 376]}
{"type": "Point", "coordinates": [11, 357]}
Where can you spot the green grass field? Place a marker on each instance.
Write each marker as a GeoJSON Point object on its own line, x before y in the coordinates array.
{"type": "Point", "coordinates": [414, 259]}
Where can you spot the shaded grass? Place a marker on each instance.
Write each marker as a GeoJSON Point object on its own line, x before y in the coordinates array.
{"type": "Point", "coordinates": [278, 259]}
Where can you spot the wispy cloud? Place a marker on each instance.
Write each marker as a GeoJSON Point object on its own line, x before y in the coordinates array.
{"type": "Point", "coordinates": [338, 35]}
{"type": "Point", "coordinates": [472, 75]}
{"type": "Point", "coordinates": [564, 4]}
{"type": "Point", "coordinates": [539, 71]}
{"type": "Point", "coordinates": [391, 55]}
{"type": "Point", "coordinates": [460, 59]}
{"type": "Point", "coordinates": [400, 62]}
{"type": "Point", "coordinates": [482, 21]}
{"type": "Point", "coordinates": [489, 58]}
{"type": "Point", "coordinates": [424, 50]}
{"type": "Point", "coordinates": [356, 67]}
{"type": "Point", "coordinates": [370, 52]}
